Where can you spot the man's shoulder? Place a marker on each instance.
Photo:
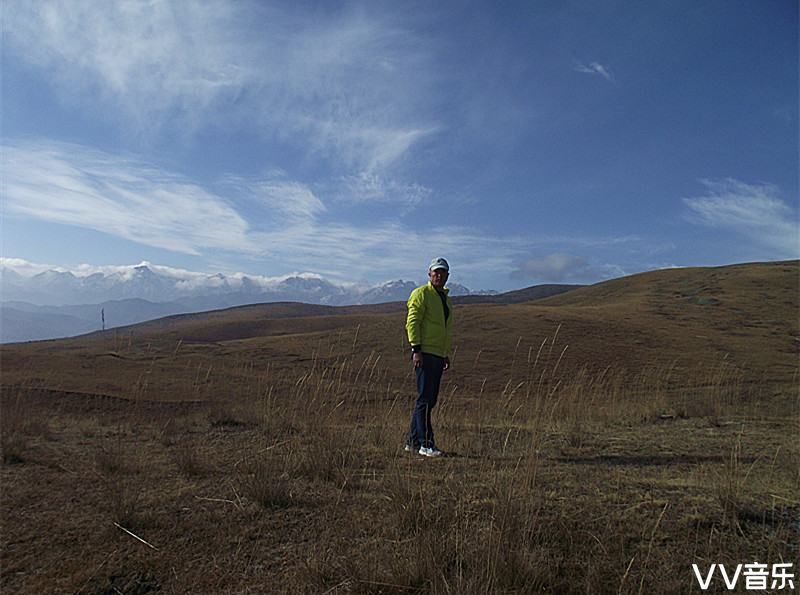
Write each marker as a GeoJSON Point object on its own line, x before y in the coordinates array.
{"type": "Point", "coordinates": [419, 292]}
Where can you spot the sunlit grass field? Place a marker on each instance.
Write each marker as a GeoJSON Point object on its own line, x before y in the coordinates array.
{"type": "Point", "coordinates": [601, 441]}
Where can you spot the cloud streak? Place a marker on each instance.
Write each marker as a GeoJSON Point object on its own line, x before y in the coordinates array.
{"type": "Point", "coordinates": [754, 211]}
{"type": "Point", "coordinates": [594, 68]}
{"type": "Point", "coordinates": [552, 267]}
{"type": "Point", "coordinates": [300, 78]}
{"type": "Point", "coordinates": [273, 220]}
{"type": "Point", "coordinates": [127, 198]}
{"type": "Point", "coordinates": [369, 187]}
{"type": "Point", "coordinates": [561, 267]}
{"type": "Point", "coordinates": [280, 201]}
{"type": "Point", "coordinates": [74, 185]}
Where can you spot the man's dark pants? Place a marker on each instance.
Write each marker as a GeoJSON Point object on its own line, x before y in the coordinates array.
{"type": "Point", "coordinates": [429, 375]}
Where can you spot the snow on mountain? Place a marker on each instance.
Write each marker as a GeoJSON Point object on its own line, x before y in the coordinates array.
{"type": "Point", "coordinates": [393, 291]}
{"type": "Point", "coordinates": [37, 302]}
{"type": "Point", "coordinates": [40, 302]}
{"type": "Point", "coordinates": [25, 282]}
{"type": "Point", "coordinates": [457, 289]}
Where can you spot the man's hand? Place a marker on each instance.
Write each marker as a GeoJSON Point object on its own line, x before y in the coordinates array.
{"type": "Point", "coordinates": [417, 357]}
{"type": "Point", "coordinates": [446, 364]}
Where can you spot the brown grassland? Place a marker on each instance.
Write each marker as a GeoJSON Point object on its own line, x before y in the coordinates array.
{"type": "Point", "coordinates": [599, 441]}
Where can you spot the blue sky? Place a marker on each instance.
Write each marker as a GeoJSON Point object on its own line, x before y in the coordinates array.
{"type": "Point", "coordinates": [527, 141]}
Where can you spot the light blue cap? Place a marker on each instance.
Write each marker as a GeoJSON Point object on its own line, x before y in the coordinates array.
{"type": "Point", "coordinates": [439, 263]}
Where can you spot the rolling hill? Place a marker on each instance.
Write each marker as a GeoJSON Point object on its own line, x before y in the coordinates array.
{"type": "Point", "coordinates": [612, 435]}
{"type": "Point", "coordinates": [23, 321]}
{"type": "Point", "coordinates": [745, 315]}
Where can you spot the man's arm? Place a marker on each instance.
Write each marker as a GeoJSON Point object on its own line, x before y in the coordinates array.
{"type": "Point", "coordinates": [416, 310]}
{"type": "Point", "coordinates": [448, 335]}
{"type": "Point", "coordinates": [414, 326]}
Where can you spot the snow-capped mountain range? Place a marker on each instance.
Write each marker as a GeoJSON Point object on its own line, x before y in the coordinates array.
{"type": "Point", "coordinates": [42, 303]}
{"type": "Point", "coordinates": [154, 283]}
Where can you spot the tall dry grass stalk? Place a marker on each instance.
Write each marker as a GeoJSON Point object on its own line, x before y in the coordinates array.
{"type": "Point", "coordinates": [337, 424]}
{"type": "Point", "coordinates": [715, 393]}
{"type": "Point", "coordinates": [20, 424]}
{"type": "Point", "coordinates": [267, 484]}
{"type": "Point", "coordinates": [554, 395]}
{"type": "Point", "coordinates": [13, 429]}
{"type": "Point", "coordinates": [730, 485]}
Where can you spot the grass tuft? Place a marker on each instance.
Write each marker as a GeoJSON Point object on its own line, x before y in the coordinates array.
{"type": "Point", "coordinates": [267, 485]}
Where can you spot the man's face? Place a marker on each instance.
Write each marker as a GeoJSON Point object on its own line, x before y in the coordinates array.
{"type": "Point", "coordinates": [438, 278]}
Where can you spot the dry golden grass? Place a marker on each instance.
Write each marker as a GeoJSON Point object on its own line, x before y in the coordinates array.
{"type": "Point", "coordinates": [599, 442]}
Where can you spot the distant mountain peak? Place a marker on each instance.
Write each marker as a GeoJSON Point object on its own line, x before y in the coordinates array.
{"type": "Point", "coordinates": [144, 270]}
{"type": "Point", "coordinates": [55, 274]}
{"type": "Point", "coordinates": [163, 284]}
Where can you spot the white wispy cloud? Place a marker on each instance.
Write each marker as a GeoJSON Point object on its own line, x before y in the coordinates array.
{"type": "Point", "coordinates": [26, 268]}
{"type": "Point", "coordinates": [282, 201]}
{"type": "Point", "coordinates": [125, 197]}
{"type": "Point", "coordinates": [351, 85]}
{"type": "Point", "coordinates": [552, 267]}
{"type": "Point", "coordinates": [756, 211]}
{"type": "Point", "coordinates": [78, 186]}
{"type": "Point", "coordinates": [594, 68]}
{"type": "Point", "coordinates": [561, 267]}
{"type": "Point", "coordinates": [277, 223]}
{"type": "Point", "coordinates": [371, 187]}
{"type": "Point", "coordinates": [294, 199]}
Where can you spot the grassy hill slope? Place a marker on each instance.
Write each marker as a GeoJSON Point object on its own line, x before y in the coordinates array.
{"type": "Point", "coordinates": [600, 441]}
{"type": "Point", "coordinates": [689, 319]}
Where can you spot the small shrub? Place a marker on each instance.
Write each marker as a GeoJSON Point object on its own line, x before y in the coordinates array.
{"type": "Point", "coordinates": [328, 457]}
{"type": "Point", "coordinates": [13, 444]}
{"type": "Point", "coordinates": [17, 423]}
{"type": "Point", "coordinates": [267, 485]}
{"type": "Point", "coordinates": [404, 500]}
{"type": "Point", "coordinates": [123, 500]}
{"type": "Point", "coordinates": [112, 460]}
{"type": "Point", "coordinates": [117, 457]}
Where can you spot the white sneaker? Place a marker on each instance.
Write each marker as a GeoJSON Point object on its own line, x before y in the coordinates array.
{"type": "Point", "coordinates": [430, 452]}
{"type": "Point", "coordinates": [409, 448]}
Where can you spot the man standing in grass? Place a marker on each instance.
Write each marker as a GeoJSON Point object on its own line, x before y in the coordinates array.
{"type": "Point", "coordinates": [429, 325]}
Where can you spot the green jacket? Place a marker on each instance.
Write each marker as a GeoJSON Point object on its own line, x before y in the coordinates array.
{"type": "Point", "coordinates": [425, 323]}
